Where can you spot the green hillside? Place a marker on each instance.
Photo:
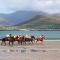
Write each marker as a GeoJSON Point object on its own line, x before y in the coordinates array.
{"type": "Point", "coordinates": [37, 23]}
{"type": "Point", "coordinates": [42, 22]}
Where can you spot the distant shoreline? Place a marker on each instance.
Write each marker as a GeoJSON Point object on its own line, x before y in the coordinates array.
{"type": "Point", "coordinates": [33, 30]}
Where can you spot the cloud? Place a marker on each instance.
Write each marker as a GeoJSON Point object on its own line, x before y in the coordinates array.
{"type": "Point", "coordinates": [49, 6]}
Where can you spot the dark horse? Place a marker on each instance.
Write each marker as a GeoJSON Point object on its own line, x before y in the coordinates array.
{"type": "Point", "coordinates": [31, 39]}
{"type": "Point", "coordinates": [10, 39]}
{"type": "Point", "coordinates": [4, 40]}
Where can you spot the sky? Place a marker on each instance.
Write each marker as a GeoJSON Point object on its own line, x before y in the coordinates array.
{"type": "Point", "coordinates": [47, 6]}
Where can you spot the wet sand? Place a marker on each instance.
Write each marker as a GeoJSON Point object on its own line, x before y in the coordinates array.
{"type": "Point", "coordinates": [50, 50]}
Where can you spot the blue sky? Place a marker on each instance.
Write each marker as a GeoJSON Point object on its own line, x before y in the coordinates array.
{"type": "Point", "coordinates": [48, 6]}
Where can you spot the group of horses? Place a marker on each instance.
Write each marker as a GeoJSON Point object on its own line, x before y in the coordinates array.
{"type": "Point", "coordinates": [21, 39]}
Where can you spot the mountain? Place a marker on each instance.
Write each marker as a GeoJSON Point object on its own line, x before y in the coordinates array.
{"type": "Point", "coordinates": [3, 21]}
{"type": "Point", "coordinates": [42, 22]}
{"type": "Point", "coordinates": [17, 17]}
{"type": "Point", "coordinates": [30, 20]}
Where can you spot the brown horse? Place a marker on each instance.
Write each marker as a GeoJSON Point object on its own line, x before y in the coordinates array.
{"type": "Point", "coordinates": [41, 39]}
{"type": "Point", "coordinates": [11, 40]}
{"type": "Point", "coordinates": [19, 39]}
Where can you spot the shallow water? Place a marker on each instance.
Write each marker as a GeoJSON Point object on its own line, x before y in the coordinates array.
{"type": "Point", "coordinates": [48, 34]}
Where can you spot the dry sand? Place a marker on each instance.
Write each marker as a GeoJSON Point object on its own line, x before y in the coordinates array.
{"type": "Point", "coordinates": [50, 50]}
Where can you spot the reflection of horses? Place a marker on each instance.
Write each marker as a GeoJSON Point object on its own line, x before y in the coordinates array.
{"type": "Point", "coordinates": [41, 39]}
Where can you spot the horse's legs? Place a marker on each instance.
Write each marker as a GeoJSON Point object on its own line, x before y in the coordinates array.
{"type": "Point", "coordinates": [32, 42]}
{"type": "Point", "coordinates": [12, 43]}
{"type": "Point", "coordinates": [25, 42]}
{"type": "Point", "coordinates": [9, 42]}
{"type": "Point", "coordinates": [42, 42]}
{"type": "Point", "coordinates": [36, 41]}
{"type": "Point", "coordinates": [3, 42]}
{"type": "Point", "coordinates": [21, 42]}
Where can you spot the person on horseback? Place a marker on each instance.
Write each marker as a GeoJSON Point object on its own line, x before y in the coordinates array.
{"type": "Point", "coordinates": [31, 36]}
{"type": "Point", "coordinates": [20, 39]}
{"type": "Point", "coordinates": [7, 35]}
{"type": "Point", "coordinates": [10, 35]}
{"type": "Point", "coordinates": [6, 38]}
{"type": "Point", "coordinates": [27, 36]}
{"type": "Point", "coordinates": [41, 38]}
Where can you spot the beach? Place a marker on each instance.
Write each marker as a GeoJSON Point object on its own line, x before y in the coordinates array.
{"type": "Point", "coordinates": [49, 50]}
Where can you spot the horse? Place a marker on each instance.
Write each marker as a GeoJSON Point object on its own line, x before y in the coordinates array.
{"type": "Point", "coordinates": [31, 39]}
{"type": "Point", "coordinates": [41, 39]}
{"type": "Point", "coordinates": [19, 39]}
{"type": "Point", "coordinates": [10, 39]}
{"type": "Point", "coordinates": [4, 40]}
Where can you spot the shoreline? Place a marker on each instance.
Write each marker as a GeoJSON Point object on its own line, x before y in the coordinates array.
{"type": "Point", "coordinates": [33, 30]}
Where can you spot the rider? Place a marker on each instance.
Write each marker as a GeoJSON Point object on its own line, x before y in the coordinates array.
{"type": "Point", "coordinates": [42, 36]}
{"type": "Point", "coordinates": [20, 35]}
{"type": "Point", "coordinates": [27, 36]}
{"type": "Point", "coordinates": [31, 36]}
{"type": "Point", "coordinates": [9, 35]}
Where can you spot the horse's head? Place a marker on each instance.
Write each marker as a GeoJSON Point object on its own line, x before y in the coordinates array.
{"type": "Point", "coordinates": [32, 37]}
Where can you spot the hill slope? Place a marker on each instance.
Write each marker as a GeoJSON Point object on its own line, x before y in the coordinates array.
{"type": "Point", "coordinates": [42, 22]}
{"type": "Point", "coordinates": [17, 17]}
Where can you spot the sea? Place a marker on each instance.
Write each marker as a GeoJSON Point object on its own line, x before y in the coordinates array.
{"type": "Point", "coordinates": [49, 35]}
